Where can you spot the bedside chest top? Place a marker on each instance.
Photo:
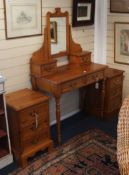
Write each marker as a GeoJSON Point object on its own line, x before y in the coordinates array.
{"type": "Point", "coordinates": [24, 98]}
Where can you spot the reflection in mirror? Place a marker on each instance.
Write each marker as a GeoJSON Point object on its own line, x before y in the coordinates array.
{"type": "Point", "coordinates": [62, 61]}
{"type": "Point", "coordinates": [58, 34]}
{"type": "Point", "coordinates": [53, 31]}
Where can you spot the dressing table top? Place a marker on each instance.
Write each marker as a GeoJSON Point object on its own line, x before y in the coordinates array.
{"type": "Point", "coordinates": [71, 72]}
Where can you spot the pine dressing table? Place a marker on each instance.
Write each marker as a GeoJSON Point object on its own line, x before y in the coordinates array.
{"type": "Point", "coordinates": [47, 76]}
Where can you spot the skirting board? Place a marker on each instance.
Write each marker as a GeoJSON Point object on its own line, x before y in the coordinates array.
{"type": "Point", "coordinates": [65, 116]}
{"type": "Point", "coordinates": [6, 160]}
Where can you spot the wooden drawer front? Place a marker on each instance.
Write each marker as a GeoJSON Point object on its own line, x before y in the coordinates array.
{"type": "Point", "coordinates": [32, 129]}
{"type": "Point", "coordinates": [114, 93]}
{"type": "Point", "coordinates": [82, 81]}
{"type": "Point", "coordinates": [86, 58]}
{"type": "Point", "coordinates": [114, 103]}
{"type": "Point", "coordinates": [116, 82]}
{"type": "Point", "coordinates": [94, 77]}
{"type": "Point", "coordinates": [30, 115]}
{"type": "Point", "coordinates": [33, 141]}
{"type": "Point", "coordinates": [73, 84]}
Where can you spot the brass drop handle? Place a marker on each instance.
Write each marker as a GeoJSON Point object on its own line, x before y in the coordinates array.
{"type": "Point", "coordinates": [35, 116]}
{"type": "Point", "coordinates": [36, 119]}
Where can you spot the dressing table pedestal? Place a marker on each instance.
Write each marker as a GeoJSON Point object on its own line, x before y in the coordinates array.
{"type": "Point", "coordinates": [91, 97]}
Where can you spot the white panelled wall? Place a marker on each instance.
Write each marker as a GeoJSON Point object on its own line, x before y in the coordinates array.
{"type": "Point", "coordinates": [100, 31]}
{"type": "Point", "coordinates": [15, 55]}
{"type": "Point", "coordinates": [111, 18]}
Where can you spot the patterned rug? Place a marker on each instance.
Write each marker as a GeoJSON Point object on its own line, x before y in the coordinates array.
{"type": "Point", "coordinates": [90, 153]}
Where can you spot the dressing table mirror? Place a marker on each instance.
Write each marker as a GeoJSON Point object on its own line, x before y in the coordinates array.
{"type": "Point", "coordinates": [58, 36]}
{"type": "Point", "coordinates": [77, 71]}
{"type": "Point", "coordinates": [58, 30]}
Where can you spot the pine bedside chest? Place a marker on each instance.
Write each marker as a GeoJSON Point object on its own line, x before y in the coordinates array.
{"type": "Point", "coordinates": [28, 115]}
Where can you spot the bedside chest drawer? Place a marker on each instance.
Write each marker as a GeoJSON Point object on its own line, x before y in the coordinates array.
{"type": "Point", "coordinates": [32, 129]}
{"type": "Point", "coordinates": [32, 114]}
{"type": "Point", "coordinates": [29, 142]}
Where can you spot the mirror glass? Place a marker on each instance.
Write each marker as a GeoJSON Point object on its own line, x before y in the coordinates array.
{"type": "Point", "coordinates": [58, 34]}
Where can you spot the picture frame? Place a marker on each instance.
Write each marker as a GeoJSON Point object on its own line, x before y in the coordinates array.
{"type": "Point", "coordinates": [53, 31]}
{"type": "Point", "coordinates": [119, 6]}
{"type": "Point", "coordinates": [23, 18]}
{"type": "Point", "coordinates": [83, 12]}
{"type": "Point", "coordinates": [121, 42]}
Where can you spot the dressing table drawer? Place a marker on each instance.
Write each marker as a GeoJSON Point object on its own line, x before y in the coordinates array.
{"type": "Point", "coordinates": [115, 103]}
{"type": "Point", "coordinates": [74, 84]}
{"type": "Point", "coordinates": [82, 81]}
{"type": "Point", "coordinates": [116, 82]}
{"type": "Point", "coordinates": [116, 92]}
{"type": "Point", "coordinates": [95, 77]}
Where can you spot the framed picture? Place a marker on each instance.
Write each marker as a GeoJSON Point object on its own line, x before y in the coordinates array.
{"type": "Point", "coordinates": [121, 48]}
{"type": "Point", "coordinates": [119, 6]}
{"type": "Point", "coordinates": [53, 31]}
{"type": "Point", "coordinates": [23, 18]}
{"type": "Point", "coordinates": [83, 12]}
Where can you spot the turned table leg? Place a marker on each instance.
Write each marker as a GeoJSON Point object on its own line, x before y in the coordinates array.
{"type": "Point", "coordinates": [102, 98]}
{"type": "Point", "coordinates": [58, 119]}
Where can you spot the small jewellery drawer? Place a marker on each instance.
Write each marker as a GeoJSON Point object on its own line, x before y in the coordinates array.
{"type": "Point", "coordinates": [95, 77]}
{"type": "Point", "coordinates": [30, 115]}
{"type": "Point", "coordinates": [86, 58]}
{"type": "Point", "coordinates": [116, 82]}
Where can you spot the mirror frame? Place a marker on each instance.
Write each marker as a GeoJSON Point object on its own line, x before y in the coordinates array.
{"type": "Point", "coordinates": [42, 63]}
{"type": "Point", "coordinates": [58, 13]}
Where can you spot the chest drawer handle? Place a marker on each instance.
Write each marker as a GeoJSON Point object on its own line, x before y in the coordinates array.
{"type": "Point", "coordinates": [36, 120]}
